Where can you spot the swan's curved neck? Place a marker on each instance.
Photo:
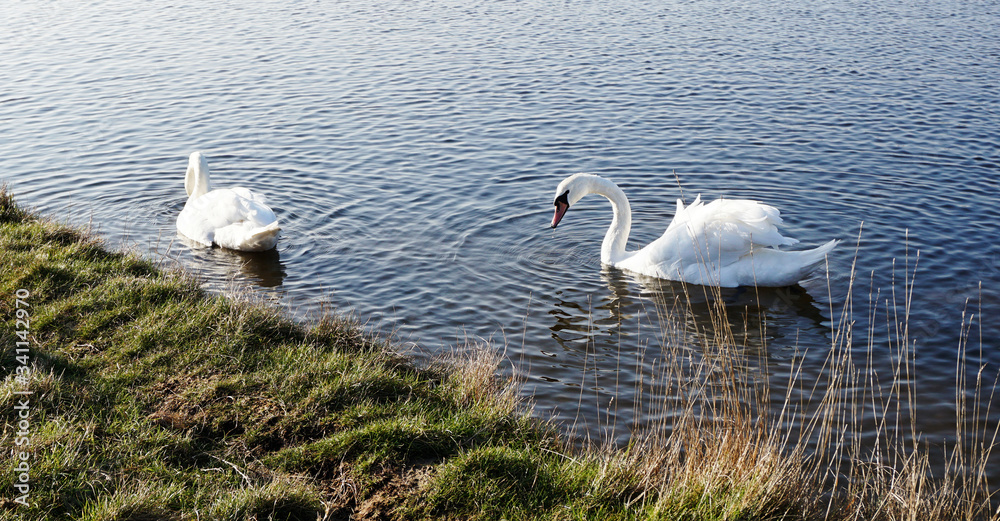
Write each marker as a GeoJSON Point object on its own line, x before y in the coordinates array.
{"type": "Point", "coordinates": [196, 179]}
{"type": "Point", "coordinates": [613, 247]}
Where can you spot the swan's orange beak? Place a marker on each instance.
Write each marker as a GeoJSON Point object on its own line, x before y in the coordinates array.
{"type": "Point", "coordinates": [562, 204]}
{"type": "Point", "coordinates": [560, 212]}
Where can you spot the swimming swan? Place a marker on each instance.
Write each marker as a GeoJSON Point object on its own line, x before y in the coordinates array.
{"type": "Point", "coordinates": [233, 218]}
{"type": "Point", "coordinates": [728, 242]}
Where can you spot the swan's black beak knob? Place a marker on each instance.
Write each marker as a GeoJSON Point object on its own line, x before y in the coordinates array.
{"type": "Point", "coordinates": [562, 204]}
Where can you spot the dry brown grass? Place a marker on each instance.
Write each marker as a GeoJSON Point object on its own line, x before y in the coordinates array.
{"type": "Point", "coordinates": [473, 374]}
{"type": "Point", "coordinates": [729, 451]}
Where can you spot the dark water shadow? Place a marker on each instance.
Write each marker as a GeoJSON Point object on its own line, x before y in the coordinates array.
{"type": "Point", "coordinates": [262, 269]}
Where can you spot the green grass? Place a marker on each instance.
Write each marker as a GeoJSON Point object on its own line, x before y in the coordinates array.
{"type": "Point", "coordinates": [155, 400]}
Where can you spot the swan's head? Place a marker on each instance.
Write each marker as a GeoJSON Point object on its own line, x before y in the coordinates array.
{"type": "Point", "coordinates": [196, 179]}
{"type": "Point", "coordinates": [571, 190]}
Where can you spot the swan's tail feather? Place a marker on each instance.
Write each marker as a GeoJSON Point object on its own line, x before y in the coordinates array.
{"type": "Point", "coordinates": [264, 238]}
{"type": "Point", "coordinates": [246, 236]}
{"type": "Point", "coordinates": [814, 257]}
{"type": "Point", "coordinates": [274, 228]}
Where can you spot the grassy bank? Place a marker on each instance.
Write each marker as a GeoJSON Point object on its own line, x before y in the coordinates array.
{"type": "Point", "coordinates": [150, 399]}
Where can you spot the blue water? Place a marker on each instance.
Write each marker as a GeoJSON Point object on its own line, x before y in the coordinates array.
{"type": "Point", "coordinates": [411, 151]}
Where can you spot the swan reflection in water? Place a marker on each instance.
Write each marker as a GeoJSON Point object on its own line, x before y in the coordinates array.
{"type": "Point", "coordinates": [219, 266]}
{"type": "Point", "coordinates": [749, 311]}
{"type": "Point", "coordinates": [623, 347]}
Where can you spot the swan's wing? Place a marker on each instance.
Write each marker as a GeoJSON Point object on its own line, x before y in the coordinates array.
{"type": "Point", "coordinates": [191, 224]}
{"type": "Point", "coordinates": [249, 206]}
{"type": "Point", "coordinates": [746, 222]}
{"type": "Point", "coordinates": [725, 243]}
{"type": "Point", "coordinates": [220, 208]}
{"type": "Point", "coordinates": [718, 233]}
{"type": "Point", "coordinates": [247, 237]}
{"type": "Point", "coordinates": [203, 216]}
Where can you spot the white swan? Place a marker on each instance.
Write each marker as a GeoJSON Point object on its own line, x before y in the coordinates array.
{"type": "Point", "coordinates": [728, 242]}
{"type": "Point", "coordinates": [233, 218]}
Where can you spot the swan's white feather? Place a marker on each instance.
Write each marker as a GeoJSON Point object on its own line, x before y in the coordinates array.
{"type": "Point", "coordinates": [233, 218]}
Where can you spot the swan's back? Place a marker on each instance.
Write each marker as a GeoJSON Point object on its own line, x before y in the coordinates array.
{"type": "Point", "coordinates": [233, 218]}
{"type": "Point", "coordinates": [720, 232]}
{"type": "Point", "coordinates": [231, 205]}
{"type": "Point", "coordinates": [727, 242]}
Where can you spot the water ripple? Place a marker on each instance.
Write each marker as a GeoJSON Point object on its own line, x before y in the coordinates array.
{"type": "Point", "coordinates": [410, 150]}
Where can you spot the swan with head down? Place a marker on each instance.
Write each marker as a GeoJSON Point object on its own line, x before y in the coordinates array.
{"type": "Point", "coordinates": [727, 242]}
{"type": "Point", "coordinates": [233, 218]}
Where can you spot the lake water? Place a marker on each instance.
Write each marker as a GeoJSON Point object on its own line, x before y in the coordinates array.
{"type": "Point", "coordinates": [411, 150]}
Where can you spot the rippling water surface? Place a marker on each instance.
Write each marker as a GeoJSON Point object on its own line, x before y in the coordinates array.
{"type": "Point", "coordinates": [411, 151]}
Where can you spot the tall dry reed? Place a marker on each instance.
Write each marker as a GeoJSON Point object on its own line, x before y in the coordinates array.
{"type": "Point", "coordinates": [840, 444]}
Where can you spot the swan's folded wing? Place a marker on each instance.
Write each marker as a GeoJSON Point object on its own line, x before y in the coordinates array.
{"type": "Point", "coordinates": [247, 237]}
{"type": "Point", "coordinates": [758, 221]}
{"type": "Point", "coordinates": [220, 208]}
{"type": "Point", "coordinates": [725, 243]}
{"type": "Point", "coordinates": [720, 232]}
{"type": "Point", "coordinates": [191, 224]}
{"type": "Point", "coordinates": [255, 207]}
